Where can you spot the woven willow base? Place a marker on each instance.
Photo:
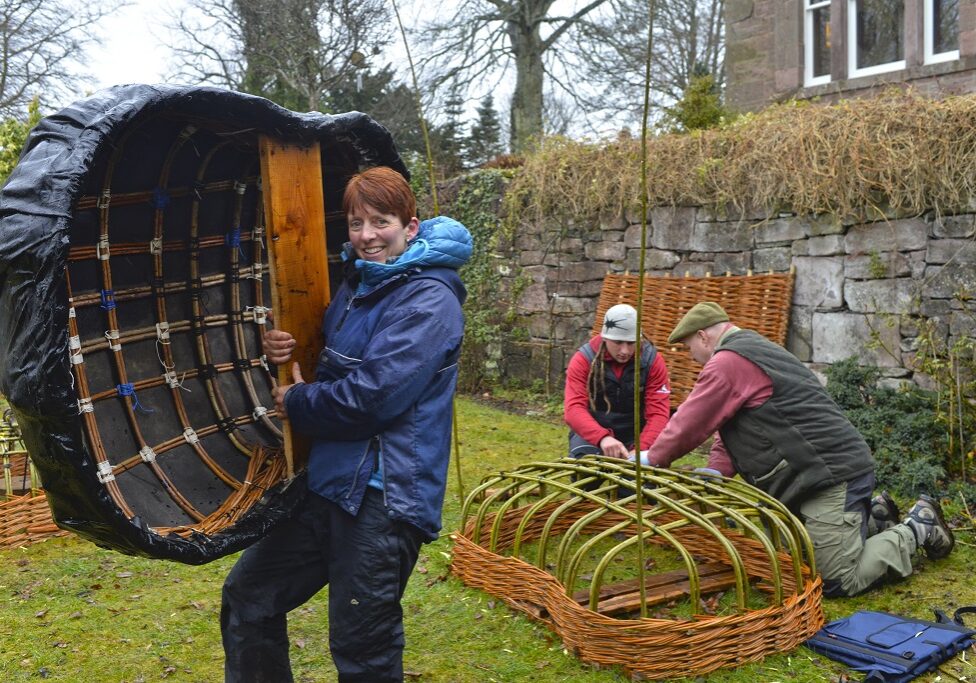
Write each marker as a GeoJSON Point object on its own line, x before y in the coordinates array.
{"type": "Point", "coordinates": [533, 536]}
{"type": "Point", "coordinates": [25, 520]}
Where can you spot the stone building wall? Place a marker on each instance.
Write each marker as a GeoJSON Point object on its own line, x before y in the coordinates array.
{"type": "Point", "coordinates": [764, 55]}
{"type": "Point", "coordinates": [861, 289]}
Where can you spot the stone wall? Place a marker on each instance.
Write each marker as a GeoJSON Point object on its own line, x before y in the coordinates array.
{"type": "Point", "coordinates": [861, 288]}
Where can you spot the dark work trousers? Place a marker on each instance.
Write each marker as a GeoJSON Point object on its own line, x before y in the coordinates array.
{"type": "Point", "coordinates": [366, 561]}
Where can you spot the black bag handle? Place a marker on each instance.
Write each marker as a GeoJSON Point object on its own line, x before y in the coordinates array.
{"type": "Point", "coordinates": [957, 617]}
{"type": "Point", "coordinates": [956, 620]}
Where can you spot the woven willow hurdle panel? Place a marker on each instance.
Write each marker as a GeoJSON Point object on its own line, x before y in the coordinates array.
{"type": "Point", "coordinates": [731, 573]}
{"type": "Point", "coordinates": [144, 219]}
{"type": "Point", "coordinates": [757, 302]}
{"type": "Point", "coordinates": [25, 517]}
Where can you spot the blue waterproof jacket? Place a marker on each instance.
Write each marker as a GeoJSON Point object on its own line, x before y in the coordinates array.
{"type": "Point", "coordinates": [385, 380]}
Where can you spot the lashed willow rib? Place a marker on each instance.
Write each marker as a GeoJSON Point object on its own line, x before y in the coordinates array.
{"type": "Point", "coordinates": [263, 468]}
{"type": "Point", "coordinates": [163, 347]}
{"type": "Point", "coordinates": [204, 357]}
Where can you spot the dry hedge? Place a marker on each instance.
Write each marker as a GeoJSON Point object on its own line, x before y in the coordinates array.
{"type": "Point", "coordinates": [899, 153]}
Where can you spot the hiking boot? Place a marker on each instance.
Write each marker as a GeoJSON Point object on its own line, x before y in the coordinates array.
{"type": "Point", "coordinates": [884, 511]}
{"type": "Point", "coordinates": [931, 532]}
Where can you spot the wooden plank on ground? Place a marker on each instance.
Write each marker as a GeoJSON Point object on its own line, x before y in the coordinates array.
{"type": "Point", "coordinates": [623, 597]}
{"type": "Point", "coordinates": [294, 210]}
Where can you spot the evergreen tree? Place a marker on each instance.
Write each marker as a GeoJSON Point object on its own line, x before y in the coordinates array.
{"type": "Point", "coordinates": [447, 139]}
{"type": "Point", "coordinates": [13, 135]}
{"type": "Point", "coordinates": [390, 102]}
{"type": "Point", "coordinates": [700, 107]}
{"type": "Point", "coordinates": [484, 141]}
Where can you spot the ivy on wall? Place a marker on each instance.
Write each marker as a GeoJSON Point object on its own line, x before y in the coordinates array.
{"type": "Point", "coordinates": [490, 307]}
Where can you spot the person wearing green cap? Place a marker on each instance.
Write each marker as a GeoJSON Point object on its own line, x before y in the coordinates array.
{"type": "Point", "coordinates": [599, 392]}
{"type": "Point", "coordinates": [776, 426]}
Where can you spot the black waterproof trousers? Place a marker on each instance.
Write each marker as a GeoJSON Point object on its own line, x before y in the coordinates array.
{"type": "Point", "coordinates": [365, 560]}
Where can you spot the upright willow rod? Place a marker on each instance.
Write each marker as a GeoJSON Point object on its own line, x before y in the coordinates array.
{"type": "Point", "coordinates": [437, 210]}
{"type": "Point", "coordinates": [638, 408]}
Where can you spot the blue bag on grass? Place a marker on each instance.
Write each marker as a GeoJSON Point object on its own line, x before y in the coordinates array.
{"type": "Point", "coordinates": [890, 648]}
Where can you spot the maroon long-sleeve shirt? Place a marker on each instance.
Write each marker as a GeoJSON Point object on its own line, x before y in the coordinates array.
{"type": "Point", "coordinates": [726, 384]}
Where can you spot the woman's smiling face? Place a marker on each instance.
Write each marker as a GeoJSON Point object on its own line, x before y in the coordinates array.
{"type": "Point", "coordinates": [378, 236]}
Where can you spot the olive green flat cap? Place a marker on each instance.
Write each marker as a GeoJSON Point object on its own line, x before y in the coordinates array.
{"type": "Point", "coordinates": [697, 318]}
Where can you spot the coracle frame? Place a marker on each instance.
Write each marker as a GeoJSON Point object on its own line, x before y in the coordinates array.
{"type": "Point", "coordinates": [528, 532]}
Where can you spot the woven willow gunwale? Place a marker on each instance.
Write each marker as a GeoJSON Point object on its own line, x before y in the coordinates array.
{"type": "Point", "coordinates": [528, 533]}
{"type": "Point", "coordinates": [757, 302]}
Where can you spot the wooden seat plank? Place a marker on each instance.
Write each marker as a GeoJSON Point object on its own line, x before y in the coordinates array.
{"type": "Point", "coordinates": [625, 596]}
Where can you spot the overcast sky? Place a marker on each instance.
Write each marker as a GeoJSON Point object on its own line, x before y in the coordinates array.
{"type": "Point", "coordinates": [132, 51]}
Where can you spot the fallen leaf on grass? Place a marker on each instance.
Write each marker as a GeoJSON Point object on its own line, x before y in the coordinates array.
{"type": "Point", "coordinates": [436, 579]}
{"type": "Point", "coordinates": [123, 575]}
{"type": "Point", "coordinates": [40, 615]}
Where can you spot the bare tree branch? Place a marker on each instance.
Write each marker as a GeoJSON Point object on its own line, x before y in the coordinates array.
{"type": "Point", "coordinates": [42, 46]}
{"type": "Point", "coordinates": [292, 51]}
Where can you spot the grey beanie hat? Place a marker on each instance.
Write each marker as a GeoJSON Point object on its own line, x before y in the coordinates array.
{"type": "Point", "coordinates": [620, 323]}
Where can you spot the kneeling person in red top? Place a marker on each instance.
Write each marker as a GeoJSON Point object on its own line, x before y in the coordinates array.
{"type": "Point", "coordinates": [599, 399]}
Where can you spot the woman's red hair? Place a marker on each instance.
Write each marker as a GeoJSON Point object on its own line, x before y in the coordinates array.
{"type": "Point", "coordinates": [382, 188]}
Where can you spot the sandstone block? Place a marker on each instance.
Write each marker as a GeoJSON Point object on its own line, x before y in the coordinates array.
{"type": "Point", "coordinates": [960, 226]}
{"type": "Point", "coordinates": [654, 259]}
{"type": "Point", "coordinates": [799, 336]}
{"type": "Point", "coordinates": [605, 251]}
{"type": "Point", "coordinates": [887, 264]}
{"type": "Point", "coordinates": [819, 282]}
{"type": "Point", "coordinates": [898, 295]}
{"type": "Point", "coordinates": [957, 251]}
{"type": "Point", "coordinates": [736, 263]}
{"type": "Point", "coordinates": [672, 227]}
{"type": "Point", "coordinates": [906, 234]}
{"type": "Point", "coordinates": [776, 259]}
{"type": "Point", "coordinates": [720, 237]}
{"type": "Point", "coordinates": [825, 245]}
{"type": "Point", "coordinates": [780, 231]}
{"type": "Point", "coordinates": [837, 336]}
{"type": "Point", "coordinates": [944, 282]}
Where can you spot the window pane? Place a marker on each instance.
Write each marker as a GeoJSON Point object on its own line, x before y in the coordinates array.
{"type": "Point", "coordinates": [945, 25]}
{"type": "Point", "coordinates": [821, 41]}
{"type": "Point", "coordinates": [880, 32]}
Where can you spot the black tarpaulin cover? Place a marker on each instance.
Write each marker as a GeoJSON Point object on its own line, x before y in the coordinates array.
{"type": "Point", "coordinates": [132, 291]}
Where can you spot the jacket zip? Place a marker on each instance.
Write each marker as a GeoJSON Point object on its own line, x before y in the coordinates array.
{"type": "Point", "coordinates": [344, 314]}
{"type": "Point", "coordinates": [379, 443]}
{"type": "Point", "coordinates": [355, 477]}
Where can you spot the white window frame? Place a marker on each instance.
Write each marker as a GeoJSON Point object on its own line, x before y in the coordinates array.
{"type": "Point", "coordinates": [853, 71]}
{"type": "Point", "coordinates": [808, 78]}
{"type": "Point", "coordinates": [928, 24]}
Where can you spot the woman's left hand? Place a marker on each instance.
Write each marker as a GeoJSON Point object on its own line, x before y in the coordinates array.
{"type": "Point", "coordinates": [279, 392]}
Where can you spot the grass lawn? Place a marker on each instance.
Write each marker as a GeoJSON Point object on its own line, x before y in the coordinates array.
{"type": "Point", "coordinates": [72, 612]}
